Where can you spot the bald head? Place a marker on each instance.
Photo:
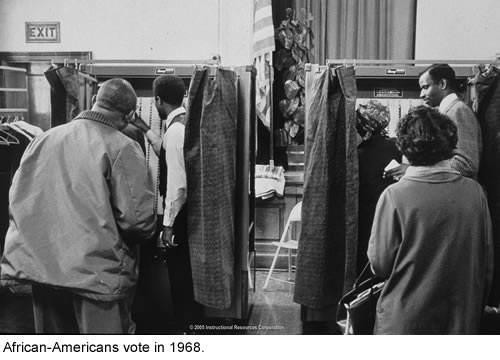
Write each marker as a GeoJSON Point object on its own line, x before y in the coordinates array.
{"type": "Point", "coordinates": [117, 95]}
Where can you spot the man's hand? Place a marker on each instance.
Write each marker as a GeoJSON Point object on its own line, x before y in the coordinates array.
{"type": "Point", "coordinates": [168, 237]}
{"type": "Point", "coordinates": [139, 123]}
{"type": "Point", "coordinates": [397, 172]}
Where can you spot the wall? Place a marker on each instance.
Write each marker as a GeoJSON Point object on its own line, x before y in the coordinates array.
{"type": "Point", "coordinates": [457, 29]}
{"type": "Point", "coordinates": [131, 29]}
{"type": "Point", "coordinates": [190, 29]}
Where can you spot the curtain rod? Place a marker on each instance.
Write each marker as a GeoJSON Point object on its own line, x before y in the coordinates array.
{"type": "Point", "coordinates": [404, 61]}
{"type": "Point", "coordinates": [153, 62]}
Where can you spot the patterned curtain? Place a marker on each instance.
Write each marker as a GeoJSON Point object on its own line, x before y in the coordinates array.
{"type": "Point", "coordinates": [326, 262]}
{"type": "Point", "coordinates": [210, 156]}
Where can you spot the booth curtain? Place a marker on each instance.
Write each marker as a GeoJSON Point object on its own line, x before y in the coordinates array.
{"type": "Point", "coordinates": [326, 260]}
{"type": "Point", "coordinates": [486, 103]}
{"type": "Point", "coordinates": [361, 29]}
{"type": "Point", "coordinates": [210, 157]}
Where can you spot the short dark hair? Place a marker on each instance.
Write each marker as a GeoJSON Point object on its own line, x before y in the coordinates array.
{"type": "Point", "coordinates": [425, 136]}
{"type": "Point", "coordinates": [439, 72]}
{"type": "Point", "coordinates": [169, 88]}
{"type": "Point", "coordinates": [118, 95]}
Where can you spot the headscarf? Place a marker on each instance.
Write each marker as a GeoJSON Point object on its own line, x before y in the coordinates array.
{"type": "Point", "coordinates": [372, 118]}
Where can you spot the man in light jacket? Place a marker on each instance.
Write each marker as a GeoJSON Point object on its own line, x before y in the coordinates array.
{"type": "Point", "coordinates": [80, 203]}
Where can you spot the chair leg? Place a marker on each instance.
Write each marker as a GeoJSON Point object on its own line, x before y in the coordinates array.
{"type": "Point", "coordinates": [289, 264]}
{"type": "Point", "coordinates": [250, 285]}
{"type": "Point", "coordinates": [272, 266]}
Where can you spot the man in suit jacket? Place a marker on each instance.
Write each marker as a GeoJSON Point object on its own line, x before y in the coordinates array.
{"type": "Point", "coordinates": [438, 89]}
{"type": "Point", "coordinates": [438, 86]}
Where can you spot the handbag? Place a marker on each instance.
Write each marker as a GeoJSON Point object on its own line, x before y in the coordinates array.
{"type": "Point", "coordinates": [356, 310]}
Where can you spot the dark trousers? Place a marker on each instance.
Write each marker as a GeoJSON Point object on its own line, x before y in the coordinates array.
{"type": "Point", "coordinates": [58, 311]}
{"type": "Point", "coordinates": [164, 303]}
{"type": "Point", "coordinates": [186, 309]}
{"type": "Point", "coordinates": [152, 310]}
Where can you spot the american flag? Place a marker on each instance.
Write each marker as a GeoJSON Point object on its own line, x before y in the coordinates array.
{"type": "Point", "coordinates": [263, 46]}
{"type": "Point", "coordinates": [263, 30]}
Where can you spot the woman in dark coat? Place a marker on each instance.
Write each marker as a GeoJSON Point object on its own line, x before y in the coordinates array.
{"type": "Point", "coordinates": [375, 151]}
{"type": "Point", "coordinates": [431, 237]}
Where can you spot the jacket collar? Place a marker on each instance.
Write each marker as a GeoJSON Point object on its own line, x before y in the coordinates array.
{"type": "Point", "coordinates": [95, 116]}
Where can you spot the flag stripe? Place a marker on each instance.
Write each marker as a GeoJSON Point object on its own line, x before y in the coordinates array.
{"type": "Point", "coordinates": [263, 36]}
{"type": "Point", "coordinates": [263, 23]}
{"type": "Point", "coordinates": [263, 46]}
{"type": "Point", "coordinates": [263, 12]}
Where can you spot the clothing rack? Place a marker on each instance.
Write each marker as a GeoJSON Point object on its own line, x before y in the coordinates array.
{"type": "Point", "coordinates": [10, 118]}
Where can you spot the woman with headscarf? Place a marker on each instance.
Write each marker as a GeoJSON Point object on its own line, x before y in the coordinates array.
{"type": "Point", "coordinates": [375, 151]}
{"type": "Point", "coordinates": [431, 237]}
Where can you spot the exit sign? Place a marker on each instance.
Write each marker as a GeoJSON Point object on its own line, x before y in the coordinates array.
{"type": "Point", "coordinates": [43, 32]}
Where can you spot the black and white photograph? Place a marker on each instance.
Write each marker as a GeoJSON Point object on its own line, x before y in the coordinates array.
{"type": "Point", "coordinates": [176, 172]}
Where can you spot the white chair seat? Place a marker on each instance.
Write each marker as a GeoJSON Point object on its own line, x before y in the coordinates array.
{"type": "Point", "coordinates": [290, 244]}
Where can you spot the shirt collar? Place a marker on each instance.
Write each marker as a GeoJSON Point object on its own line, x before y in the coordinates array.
{"type": "Point", "coordinates": [180, 110]}
{"type": "Point", "coordinates": [448, 99]}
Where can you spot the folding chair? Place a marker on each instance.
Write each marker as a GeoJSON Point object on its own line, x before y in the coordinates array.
{"type": "Point", "coordinates": [287, 243]}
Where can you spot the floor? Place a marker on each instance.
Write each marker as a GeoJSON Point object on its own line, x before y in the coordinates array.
{"type": "Point", "coordinates": [272, 312]}
{"type": "Point", "coordinates": [273, 309]}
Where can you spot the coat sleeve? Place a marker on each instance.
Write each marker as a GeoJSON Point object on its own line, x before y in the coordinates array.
{"type": "Point", "coordinates": [385, 237]}
{"type": "Point", "coordinates": [132, 195]}
{"type": "Point", "coordinates": [489, 256]}
{"type": "Point", "coordinates": [467, 154]}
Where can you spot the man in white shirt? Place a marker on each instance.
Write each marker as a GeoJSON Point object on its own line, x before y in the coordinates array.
{"type": "Point", "coordinates": [168, 91]}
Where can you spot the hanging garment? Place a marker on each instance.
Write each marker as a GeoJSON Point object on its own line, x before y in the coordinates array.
{"type": "Point", "coordinates": [5, 179]}
{"type": "Point", "coordinates": [28, 128]}
{"type": "Point", "coordinates": [210, 156]}
{"type": "Point", "coordinates": [57, 97]}
{"type": "Point", "coordinates": [486, 85]}
{"type": "Point", "coordinates": [69, 93]}
{"type": "Point", "coordinates": [326, 262]}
